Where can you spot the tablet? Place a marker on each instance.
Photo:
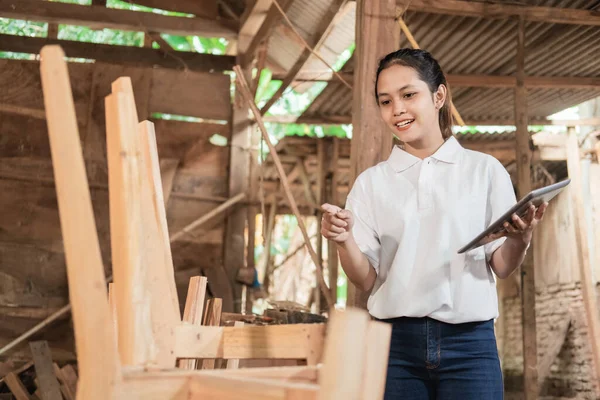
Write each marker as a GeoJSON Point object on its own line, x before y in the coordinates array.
{"type": "Point", "coordinates": [535, 197]}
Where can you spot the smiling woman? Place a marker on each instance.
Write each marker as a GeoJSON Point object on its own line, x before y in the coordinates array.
{"type": "Point", "coordinates": [398, 237]}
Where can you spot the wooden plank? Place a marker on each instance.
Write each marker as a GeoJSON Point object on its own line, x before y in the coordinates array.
{"type": "Point", "coordinates": [48, 383]}
{"type": "Point", "coordinates": [99, 370]}
{"type": "Point", "coordinates": [587, 284]}
{"type": "Point", "coordinates": [316, 40]}
{"type": "Point", "coordinates": [124, 151]}
{"type": "Point", "coordinates": [379, 335]}
{"type": "Point", "coordinates": [252, 20]}
{"type": "Point", "coordinates": [464, 8]}
{"type": "Point", "coordinates": [344, 362]}
{"type": "Point", "coordinates": [530, 374]}
{"type": "Point", "coordinates": [98, 17]}
{"type": "Point", "coordinates": [212, 317]}
{"type": "Point", "coordinates": [159, 271]}
{"type": "Point", "coordinates": [269, 342]}
{"type": "Point", "coordinates": [194, 308]}
{"type": "Point", "coordinates": [194, 94]}
{"type": "Point", "coordinates": [70, 376]}
{"type": "Point", "coordinates": [376, 37]}
{"type": "Point", "coordinates": [16, 386]}
{"type": "Point", "coordinates": [134, 56]}
{"type": "Point", "coordinates": [65, 387]}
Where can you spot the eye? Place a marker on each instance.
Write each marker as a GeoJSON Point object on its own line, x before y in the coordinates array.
{"type": "Point", "coordinates": [384, 102]}
{"type": "Point", "coordinates": [409, 95]}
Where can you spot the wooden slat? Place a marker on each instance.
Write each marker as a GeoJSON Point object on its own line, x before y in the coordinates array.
{"type": "Point", "coordinates": [587, 283]}
{"type": "Point", "coordinates": [124, 153]}
{"type": "Point", "coordinates": [200, 8]}
{"type": "Point", "coordinates": [135, 56]}
{"type": "Point", "coordinates": [16, 386]}
{"type": "Point", "coordinates": [344, 362]}
{"type": "Point", "coordinates": [87, 286]}
{"type": "Point", "coordinates": [464, 8]}
{"type": "Point", "coordinates": [47, 381]}
{"type": "Point", "coordinates": [65, 387]}
{"type": "Point", "coordinates": [194, 308]}
{"type": "Point", "coordinates": [378, 340]}
{"type": "Point", "coordinates": [251, 23]}
{"type": "Point", "coordinates": [168, 170]}
{"type": "Point", "coordinates": [70, 376]}
{"type": "Point", "coordinates": [212, 317]}
{"type": "Point", "coordinates": [272, 342]}
{"type": "Point", "coordinates": [98, 17]}
{"type": "Point", "coordinates": [530, 374]}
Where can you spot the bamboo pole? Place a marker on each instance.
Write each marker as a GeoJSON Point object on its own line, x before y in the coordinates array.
{"type": "Point", "coordinates": [245, 91]}
{"type": "Point", "coordinates": [415, 45]}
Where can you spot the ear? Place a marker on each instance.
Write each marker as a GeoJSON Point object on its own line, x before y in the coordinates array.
{"type": "Point", "coordinates": [439, 97]}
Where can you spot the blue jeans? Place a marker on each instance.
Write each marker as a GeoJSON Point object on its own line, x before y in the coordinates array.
{"type": "Point", "coordinates": [430, 359]}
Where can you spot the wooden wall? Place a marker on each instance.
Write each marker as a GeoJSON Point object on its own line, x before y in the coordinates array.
{"type": "Point", "coordinates": [32, 272]}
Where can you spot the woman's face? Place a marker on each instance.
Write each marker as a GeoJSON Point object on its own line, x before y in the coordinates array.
{"type": "Point", "coordinates": [407, 105]}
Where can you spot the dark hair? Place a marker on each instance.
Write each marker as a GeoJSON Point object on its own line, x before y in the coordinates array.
{"type": "Point", "coordinates": [429, 71]}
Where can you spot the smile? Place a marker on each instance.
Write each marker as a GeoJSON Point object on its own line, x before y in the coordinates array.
{"type": "Point", "coordinates": [405, 123]}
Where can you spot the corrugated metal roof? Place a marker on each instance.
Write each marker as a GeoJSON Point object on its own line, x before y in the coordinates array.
{"type": "Point", "coordinates": [463, 45]}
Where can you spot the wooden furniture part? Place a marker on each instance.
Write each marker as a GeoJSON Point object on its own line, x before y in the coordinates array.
{"type": "Point", "coordinates": [101, 373]}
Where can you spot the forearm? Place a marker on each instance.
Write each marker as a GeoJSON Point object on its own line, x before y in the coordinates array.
{"type": "Point", "coordinates": [508, 257]}
{"type": "Point", "coordinates": [356, 265]}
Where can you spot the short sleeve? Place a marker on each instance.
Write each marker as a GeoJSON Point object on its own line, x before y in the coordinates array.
{"type": "Point", "coordinates": [501, 197]}
{"type": "Point", "coordinates": [364, 231]}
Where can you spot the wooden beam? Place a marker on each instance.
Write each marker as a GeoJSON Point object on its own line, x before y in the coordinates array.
{"type": "Point", "coordinates": [476, 9]}
{"type": "Point", "coordinates": [264, 32]}
{"type": "Point", "coordinates": [137, 56]}
{"type": "Point", "coordinates": [483, 81]}
{"type": "Point", "coordinates": [98, 17]}
{"type": "Point", "coordinates": [528, 300]}
{"type": "Point", "coordinates": [585, 267]}
{"type": "Point", "coordinates": [251, 23]}
{"type": "Point", "coordinates": [317, 39]}
{"type": "Point", "coordinates": [16, 387]}
{"type": "Point", "coordinates": [294, 341]}
{"type": "Point", "coordinates": [377, 34]}
{"type": "Point", "coordinates": [99, 370]}
{"type": "Point", "coordinates": [200, 8]}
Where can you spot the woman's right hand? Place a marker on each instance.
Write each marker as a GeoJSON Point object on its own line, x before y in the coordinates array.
{"type": "Point", "coordinates": [336, 223]}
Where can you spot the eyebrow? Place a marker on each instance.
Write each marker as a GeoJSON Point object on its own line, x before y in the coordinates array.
{"type": "Point", "coordinates": [401, 89]}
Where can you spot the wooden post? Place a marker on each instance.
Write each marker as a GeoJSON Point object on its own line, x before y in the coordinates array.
{"type": "Point", "coordinates": [321, 198]}
{"type": "Point", "coordinates": [530, 374]}
{"type": "Point", "coordinates": [239, 163]}
{"type": "Point", "coordinates": [267, 245]}
{"type": "Point", "coordinates": [585, 267]}
{"type": "Point", "coordinates": [332, 197]}
{"type": "Point", "coordinates": [377, 34]}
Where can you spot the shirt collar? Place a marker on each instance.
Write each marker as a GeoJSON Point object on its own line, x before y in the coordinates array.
{"type": "Point", "coordinates": [449, 152]}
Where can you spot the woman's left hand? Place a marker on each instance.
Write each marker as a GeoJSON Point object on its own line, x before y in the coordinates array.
{"type": "Point", "coordinates": [522, 228]}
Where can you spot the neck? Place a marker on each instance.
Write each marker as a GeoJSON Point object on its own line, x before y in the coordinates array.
{"type": "Point", "coordinates": [425, 147]}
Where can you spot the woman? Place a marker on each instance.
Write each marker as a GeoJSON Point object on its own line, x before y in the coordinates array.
{"type": "Point", "coordinates": [398, 237]}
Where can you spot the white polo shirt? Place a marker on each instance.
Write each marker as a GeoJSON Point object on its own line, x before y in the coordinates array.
{"type": "Point", "coordinates": [411, 217]}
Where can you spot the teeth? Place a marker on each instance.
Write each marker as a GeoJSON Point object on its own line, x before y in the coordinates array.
{"type": "Point", "coordinates": [400, 124]}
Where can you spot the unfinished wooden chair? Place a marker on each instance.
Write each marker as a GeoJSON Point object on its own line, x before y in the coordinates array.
{"type": "Point", "coordinates": [149, 327]}
{"type": "Point", "coordinates": [355, 353]}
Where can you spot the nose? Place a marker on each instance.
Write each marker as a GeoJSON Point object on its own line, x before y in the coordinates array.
{"type": "Point", "coordinates": [398, 108]}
